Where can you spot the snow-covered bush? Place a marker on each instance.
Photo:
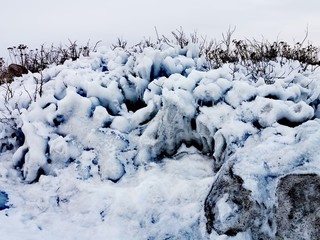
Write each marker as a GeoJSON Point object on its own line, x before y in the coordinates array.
{"type": "Point", "coordinates": [163, 95]}
{"type": "Point", "coordinates": [36, 60]}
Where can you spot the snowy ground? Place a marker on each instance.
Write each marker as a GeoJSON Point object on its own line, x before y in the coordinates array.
{"type": "Point", "coordinates": [159, 201]}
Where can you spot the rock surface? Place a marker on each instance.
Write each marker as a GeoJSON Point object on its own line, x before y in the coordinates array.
{"type": "Point", "coordinates": [295, 214]}
{"type": "Point", "coordinates": [231, 209]}
{"type": "Point", "coordinates": [298, 210]}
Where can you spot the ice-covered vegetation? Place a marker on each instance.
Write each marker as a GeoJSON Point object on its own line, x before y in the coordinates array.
{"type": "Point", "coordinates": [126, 143]}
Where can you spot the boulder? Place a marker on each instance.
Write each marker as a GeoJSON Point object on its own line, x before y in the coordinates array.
{"type": "Point", "coordinates": [230, 208]}
{"type": "Point", "coordinates": [13, 70]}
{"type": "Point", "coordinates": [16, 70]}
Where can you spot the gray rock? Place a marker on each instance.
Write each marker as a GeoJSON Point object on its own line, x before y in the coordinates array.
{"type": "Point", "coordinates": [294, 215]}
{"type": "Point", "coordinates": [298, 210]}
{"type": "Point", "coordinates": [230, 208]}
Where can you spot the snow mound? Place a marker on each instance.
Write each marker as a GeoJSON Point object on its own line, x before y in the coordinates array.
{"type": "Point", "coordinates": [117, 116]}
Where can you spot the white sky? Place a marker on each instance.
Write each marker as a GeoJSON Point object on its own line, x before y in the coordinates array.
{"type": "Point", "coordinates": [34, 22]}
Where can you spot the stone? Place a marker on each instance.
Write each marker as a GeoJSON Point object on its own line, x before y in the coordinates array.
{"type": "Point", "coordinates": [230, 209]}
{"type": "Point", "coordinates": [298, 210]}
{"type": "Point", "coordinates": [13, 70]}
{"type": "Point", "coordinates": [16, 70]}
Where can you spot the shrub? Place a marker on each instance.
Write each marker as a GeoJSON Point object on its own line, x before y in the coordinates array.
{"type": "Point", "coordinates": [36, 60]}
{"type": "Point", "coordinates": [254, 55]}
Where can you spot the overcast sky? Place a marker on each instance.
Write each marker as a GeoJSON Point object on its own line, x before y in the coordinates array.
{"type": "Point", "coordinates": [34, 22]}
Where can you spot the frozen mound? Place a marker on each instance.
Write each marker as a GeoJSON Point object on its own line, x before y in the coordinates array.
{"type": "Point", "coordinates": [107, 116]}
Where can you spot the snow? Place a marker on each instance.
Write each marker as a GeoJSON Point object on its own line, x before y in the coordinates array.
{"type": "Point", "coordinates": [241, 91]}
{"type": "Point", "coordinates": [142, 205]}
{"type": "Point", "coordinates": [126, 145]}
{"type": "Point", "coordinates": [281, 150]}
{"type": "Point", "coordinates": [225, 209]}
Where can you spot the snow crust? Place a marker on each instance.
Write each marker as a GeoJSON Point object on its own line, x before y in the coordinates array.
{"type": "Point", "coordinates": [109, 149]}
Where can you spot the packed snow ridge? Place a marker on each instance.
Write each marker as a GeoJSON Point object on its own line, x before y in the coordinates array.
{"type": "Point", "coordinates": [152, 145]}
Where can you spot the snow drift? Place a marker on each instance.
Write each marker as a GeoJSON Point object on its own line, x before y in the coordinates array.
{"type": "Point", "coordinates": [119, 144]}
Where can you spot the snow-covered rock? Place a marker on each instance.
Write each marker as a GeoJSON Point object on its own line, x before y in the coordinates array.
{"type": "Point", "coordinates": [268, 181]}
